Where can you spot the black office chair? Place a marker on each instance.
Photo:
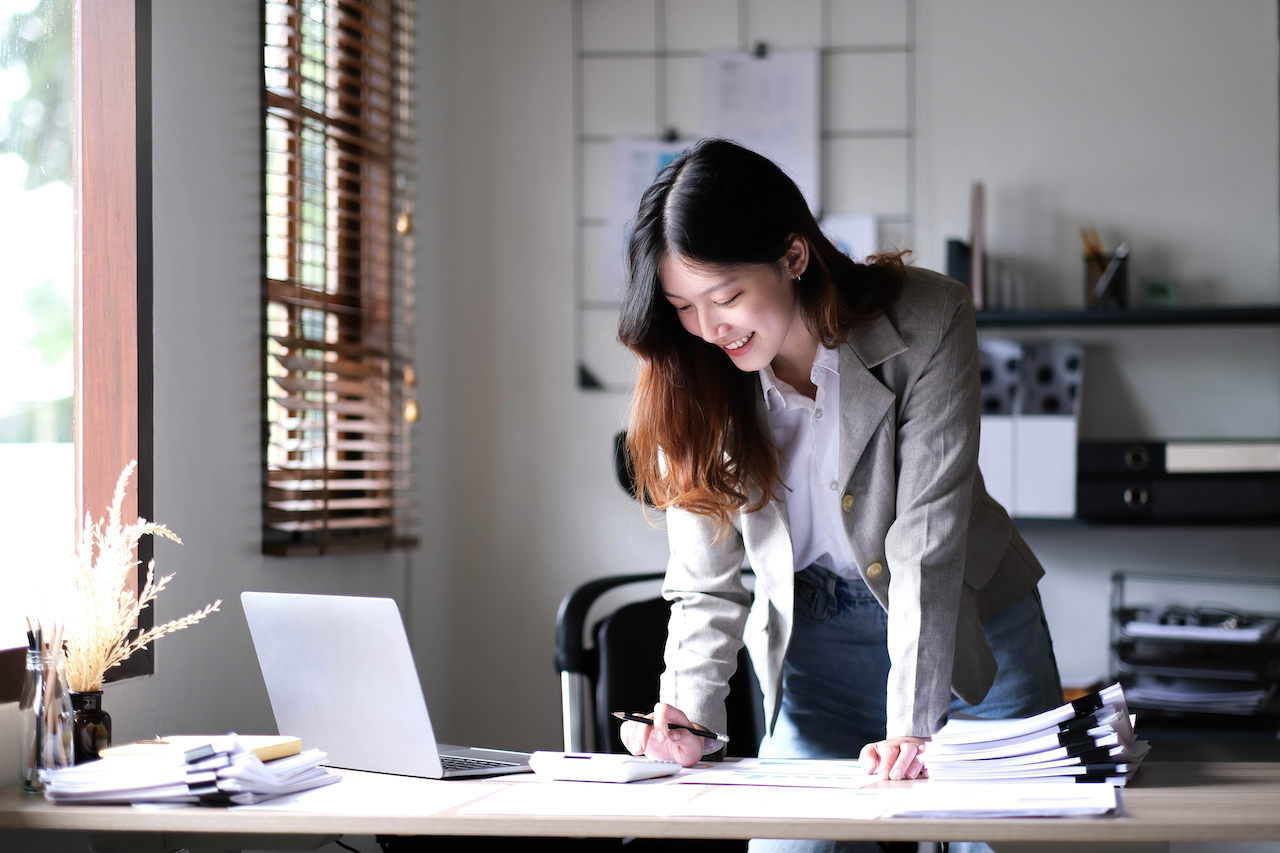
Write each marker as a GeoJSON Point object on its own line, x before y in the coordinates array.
{"type": "Point", "coordinates": [620, 671]}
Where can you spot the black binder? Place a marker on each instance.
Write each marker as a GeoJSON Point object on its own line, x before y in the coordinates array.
{"type": "Point", "coordinates": [1128, 482]}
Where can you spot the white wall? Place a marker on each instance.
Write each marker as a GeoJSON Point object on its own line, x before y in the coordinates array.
{"type": "Point", "coordinates": [427, 606]}
{"type": "Point", "coordinates": [538, 510]}
{"type": "Point", "coordinates": [1153, 121]}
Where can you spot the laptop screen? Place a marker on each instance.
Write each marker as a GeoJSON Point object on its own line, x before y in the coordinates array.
{"type": "Point", "coordinates": [341, 676]}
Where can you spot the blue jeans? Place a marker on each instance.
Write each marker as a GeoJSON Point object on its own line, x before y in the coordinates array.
{"type": "Point", "coordinates": [836, 671]}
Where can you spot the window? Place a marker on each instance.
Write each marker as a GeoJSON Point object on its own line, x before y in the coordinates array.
{"type": "Point", "coordinates": [37, 274]}
{"type": "Point", "coordinates": [338, 287]}
{"type": "Point", "coordinates": [109, 253]}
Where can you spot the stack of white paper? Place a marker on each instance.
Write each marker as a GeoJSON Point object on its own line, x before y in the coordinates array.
{"type": "Point", "coordinates": [1063, 799]}
{"type": "Point", "coordinates": [1253, 634]}
{"type": "Point", "coordinates": [1210, 696]}
{"type": "Point", "coordinates": [223, 772]}
{"type": "Point", "coordinates": [1089, 740]}
{"type": "Point", "coordinates": [780, 773]}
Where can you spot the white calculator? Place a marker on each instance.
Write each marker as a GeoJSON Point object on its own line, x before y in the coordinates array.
{"type": "Point", "coordinates": [599, 767]}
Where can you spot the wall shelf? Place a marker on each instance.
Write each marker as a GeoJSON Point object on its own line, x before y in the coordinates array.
{"type": "Point", "coordinates": [1233, 315]}
{"type": "Point", "coordinates": [1033, 525]}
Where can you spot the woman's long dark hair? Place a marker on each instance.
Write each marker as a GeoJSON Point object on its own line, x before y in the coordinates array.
{"type": "Point", "coordinates": [695, 438]}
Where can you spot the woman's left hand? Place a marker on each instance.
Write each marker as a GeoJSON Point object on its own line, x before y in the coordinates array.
{"type": "Point", "coordinates": [895, 758]}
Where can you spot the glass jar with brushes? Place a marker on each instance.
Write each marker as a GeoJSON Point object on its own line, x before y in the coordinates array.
{"type": "Point", "coordinates": [44, 711]}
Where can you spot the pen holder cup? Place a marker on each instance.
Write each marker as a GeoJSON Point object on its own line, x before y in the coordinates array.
{"type": "Point", "coordinates": [1115, 291]}
{"type": "Point", "coordinates": [44, 719]}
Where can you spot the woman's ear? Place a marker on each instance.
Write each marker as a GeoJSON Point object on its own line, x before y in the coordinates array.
{"type": "Point", "coordinates": [796, 258]}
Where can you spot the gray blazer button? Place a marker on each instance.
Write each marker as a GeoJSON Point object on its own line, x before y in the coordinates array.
{"type": "Point", "coordinates": [874, 570]}
{"type": "Point", "coordinates": [846, 503]}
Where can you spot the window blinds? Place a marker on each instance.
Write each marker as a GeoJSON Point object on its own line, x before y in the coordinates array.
{"type": "Point", "coordinates": [338, 282]}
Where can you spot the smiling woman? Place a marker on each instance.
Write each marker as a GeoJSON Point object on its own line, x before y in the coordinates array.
{"type": "Point", "coordinates": [818, 418]}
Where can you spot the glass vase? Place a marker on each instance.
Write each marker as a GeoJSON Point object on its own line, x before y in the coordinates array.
{"type": "Point", "coordinates": [45, 715]}
{"type": "Point", "coordinates": [91, 725]}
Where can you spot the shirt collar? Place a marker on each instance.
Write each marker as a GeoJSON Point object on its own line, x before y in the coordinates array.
{"type": "Point", "coordinates": [827, 359]}
{"type": "Point", "coordinates": [826, 366]}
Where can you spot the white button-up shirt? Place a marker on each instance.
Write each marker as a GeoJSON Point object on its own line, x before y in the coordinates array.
{"type": "Point", "coordinates": [807, 433]}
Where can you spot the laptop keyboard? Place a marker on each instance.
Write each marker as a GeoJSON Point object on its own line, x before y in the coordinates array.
{"type": "Point", "coordinates": [453, 762]}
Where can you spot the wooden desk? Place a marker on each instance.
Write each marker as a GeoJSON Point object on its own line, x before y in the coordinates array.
{"type": "Point", "coordinates": [1166, 802]}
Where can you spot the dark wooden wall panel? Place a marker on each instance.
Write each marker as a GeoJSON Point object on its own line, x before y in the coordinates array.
{"type": "Point", "coordinates": [106, 282]}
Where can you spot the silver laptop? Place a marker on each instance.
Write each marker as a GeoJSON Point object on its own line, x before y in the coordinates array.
{"type": "Point", "coordinates": [341, 677]}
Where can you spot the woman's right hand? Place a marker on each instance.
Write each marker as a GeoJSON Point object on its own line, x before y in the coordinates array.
{"type": "Point", "coordinates": [658, 741]}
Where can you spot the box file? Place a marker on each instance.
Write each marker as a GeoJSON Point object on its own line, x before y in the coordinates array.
{"type": "Point", "coordinates": [1030, 408]}
{"type": "Point", "coordinates": [1210, 482]}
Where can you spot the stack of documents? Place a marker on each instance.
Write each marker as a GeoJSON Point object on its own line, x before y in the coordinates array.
{"type": "Point", "coordinates": [266, 747]}
{"type": "Point", "coordinates": [1088, 740]}
{"type": "Point", "coordinates": [1230, 630]}
{"type": "Point", "coordinates": [1197, 694]}
{"type": "Point", "coordinates": [780, 773]}
{"type": "Point", "coordinates": [221, 771]}
{"type": "Point", "coordinates": [1059, 799]}
{"type": "Point", "coordinates": [1205, 661]}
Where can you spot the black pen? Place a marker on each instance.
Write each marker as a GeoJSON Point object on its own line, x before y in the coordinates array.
{"type": "Point", "coordinates": [636, 718]}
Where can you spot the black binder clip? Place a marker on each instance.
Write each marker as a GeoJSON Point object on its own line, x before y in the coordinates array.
{"type": "Point", "coordinates": [761, 50]}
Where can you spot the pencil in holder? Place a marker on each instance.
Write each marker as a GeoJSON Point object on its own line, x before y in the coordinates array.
{"type": "Point", "coordinates": [1106, 280]}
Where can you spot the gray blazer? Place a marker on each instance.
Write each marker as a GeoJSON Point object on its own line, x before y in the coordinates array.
{"type": "Point", "coordinates": [926, 534]}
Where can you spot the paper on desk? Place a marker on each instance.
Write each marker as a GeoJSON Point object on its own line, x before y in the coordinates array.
{"type": "Point", "coordinates": [1028, 751]}
{"type": "Point", "coordinates": [984, 731]}
{"type": "Point", "coordinates": [1111, 717]}
{"type": "Point", "coordinates": [1202, 633]}
{"type": "Point", "coordinates": [578, 799]}
{"type": "Point", "coordinates": [1048, 799]}
{"type": "Point", "coordinates": [818, 804]}
{"type": "Point", "coordinates": [775, 772]}
{"type": "Point", "coordinates": [377, 794]}
{"type": "Point", "coordinates": [1120, 753]}
{"type": "Point", "coordinates": [1195, 693]}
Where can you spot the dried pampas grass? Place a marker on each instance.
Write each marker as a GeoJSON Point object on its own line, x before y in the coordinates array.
{"type": "Point", "coordinates": [96, 604]}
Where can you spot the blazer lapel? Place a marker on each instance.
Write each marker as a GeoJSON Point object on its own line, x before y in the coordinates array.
{"type": "Point", "coordinates": [864, 399]}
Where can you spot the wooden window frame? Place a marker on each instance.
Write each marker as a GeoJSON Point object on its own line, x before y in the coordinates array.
{"type": "Point", "coordinates": [111, 178]}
